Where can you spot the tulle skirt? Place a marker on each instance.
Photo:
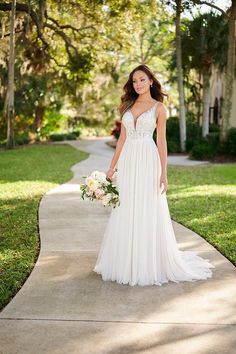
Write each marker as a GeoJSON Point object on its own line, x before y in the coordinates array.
{"type": "Point", "coordinates": [139, 245]}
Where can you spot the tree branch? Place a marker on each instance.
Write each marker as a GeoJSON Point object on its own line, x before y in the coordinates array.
{"type": "Point", "coordinates": [25, 8]}
{"type": "Point", "coordinates": [56, 27]}
{"type": "Point", "coordinates": [69, 26]}
{"type": "Point", "coordinates": [200, 2]}
{"type": "Point", "coordinates": [65, 38]}
{"type": "Point", "coordinates": [8, 34]}
{"type": "Point", "coordinates": [56, 62]}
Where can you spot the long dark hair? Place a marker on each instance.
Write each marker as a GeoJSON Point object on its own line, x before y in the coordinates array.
{"type": "Point", "coordinates": [130, 95]}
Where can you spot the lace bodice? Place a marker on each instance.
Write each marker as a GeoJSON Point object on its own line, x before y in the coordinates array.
{"type": "Point", "coordinates": [141, 127]}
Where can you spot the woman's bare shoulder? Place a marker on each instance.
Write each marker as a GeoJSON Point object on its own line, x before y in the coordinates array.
{"type": "Point", "coordinates": [161, 108]}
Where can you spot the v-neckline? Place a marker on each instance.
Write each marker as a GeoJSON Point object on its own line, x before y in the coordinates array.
{"type": "Point", "coordinates": [136, 119]}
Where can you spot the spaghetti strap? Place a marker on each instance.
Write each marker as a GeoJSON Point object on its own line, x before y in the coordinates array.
{"type": "Point", "coordinates": [156, 107]}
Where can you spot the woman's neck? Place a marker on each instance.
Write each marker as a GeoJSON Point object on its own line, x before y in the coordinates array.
{"type": "Point", "coordinates": [145, 97]}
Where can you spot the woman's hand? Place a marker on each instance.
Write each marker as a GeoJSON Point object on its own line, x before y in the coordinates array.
{"type": "Point", "coordinates": [110, 173]}
{"type": "Point", "coordinates": [163, 183]}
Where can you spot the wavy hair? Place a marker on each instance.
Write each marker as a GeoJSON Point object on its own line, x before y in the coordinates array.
{"type": "Point", "coordinates": [130, 95]}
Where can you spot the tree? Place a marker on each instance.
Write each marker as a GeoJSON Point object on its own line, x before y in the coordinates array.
{"type": "Point", "coordinates": [179, 6]}
{"type": "Point", "coordinates": [230, 15]}
{"type": "Point", "coordinates": [9, 103]}
{"type": "Point", "coordinates": [230, 71]}
{"type": "Point", "coordinates": [182, 117]}
{"type": "Point", "coordinates": [71, 40]}
{"type": "Point", "coordinates": [204, 46]}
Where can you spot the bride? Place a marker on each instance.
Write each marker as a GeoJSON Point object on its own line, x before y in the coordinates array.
{"type": "Point", "coordinates": [139, 245]}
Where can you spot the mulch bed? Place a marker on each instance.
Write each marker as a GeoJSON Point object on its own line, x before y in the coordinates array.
{"type": "Point", "coordinates": [223, 159]}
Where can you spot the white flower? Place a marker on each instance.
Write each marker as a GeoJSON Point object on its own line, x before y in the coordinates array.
{"type": "Point", "coordinates": [99, 176]}
{"type": "Point", "coordinates": [99, 193]}
{"type": "Point", "coordinates": [106, 199]}
{"type": "Point", "coordinates": [92, 184]}
{"type": "Point", "coordinates": [89, 192]}
{"type": "Point", "coordinates": [88, 179]}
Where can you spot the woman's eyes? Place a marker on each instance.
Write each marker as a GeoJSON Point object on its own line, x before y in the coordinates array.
{"type": "Point", "coordinates": [141, 80]}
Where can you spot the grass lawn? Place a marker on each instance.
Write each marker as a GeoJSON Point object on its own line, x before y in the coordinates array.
{"type": "Point", "coordinates": [26, 174]}
{"type": "Point", "coordinates": [203, 198]}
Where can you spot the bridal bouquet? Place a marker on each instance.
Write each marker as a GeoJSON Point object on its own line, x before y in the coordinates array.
{"type": "Point", "coordinates": [97, 187]}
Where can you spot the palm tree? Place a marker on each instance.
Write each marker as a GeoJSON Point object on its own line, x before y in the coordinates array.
{"type": "Point", "coordinates": [182, 116]}
{"type": "Point", "coordinates": [204, 45]}
{"type": "Point", "coordinates": [230, 15]}
{"type": "Point", "coordinates": [9, 101]}
{"type": "Point", "coordinates": [230, 71]}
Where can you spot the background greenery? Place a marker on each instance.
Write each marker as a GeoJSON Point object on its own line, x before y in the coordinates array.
{"type": "Point", "coordinates": [72, 61]}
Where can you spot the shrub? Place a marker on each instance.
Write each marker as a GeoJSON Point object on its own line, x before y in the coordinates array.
{"type": "Point", "coordinates": [70, 136]}
{"type": "Point", "coordinates": [3, 143]}
{"type": "Point", "coordinates": [231, 141]}
{"type": "Point", "coordinates": [22, 139]}
{"type": "Point", "coordinates": [56, 137]}
{"type": "Point", "coordinates": [203, 150]}
{"type": "Point", "coordinates": [193, 134]}
{"type": "Point", "coordinates": [77, 132]}
{"type": "Point", "coordinates": [173, 146]}
{"type": "Point", "coordinates": [172, 128]}
{"type": "Point", "coordinates": [214, 139]}
{"type": "Point", "coordinates": [172, 134]}
{"type": "Point", "coordinates": [214, 128]}
{"type": "Point", "coordinates": [211, 146]}
{"type": "Point", "coordinates": [61, 137]}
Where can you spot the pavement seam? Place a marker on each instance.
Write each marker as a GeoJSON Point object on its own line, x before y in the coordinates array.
{"type": "Point", "coordinates": [117, 321]}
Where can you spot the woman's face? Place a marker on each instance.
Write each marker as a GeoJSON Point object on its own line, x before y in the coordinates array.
{"type": "Point", "coordinates": [141, 82]}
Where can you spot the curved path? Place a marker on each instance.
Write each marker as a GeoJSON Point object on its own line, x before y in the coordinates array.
{"type": "Point", "coordinates": [66, 308]}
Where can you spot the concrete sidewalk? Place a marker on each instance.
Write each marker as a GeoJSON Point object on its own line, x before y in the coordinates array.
{"type": "Point", "coordinates": [66, 308]}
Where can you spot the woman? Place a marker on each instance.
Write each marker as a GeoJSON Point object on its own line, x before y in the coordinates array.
{"type": "Point", "coordinates": [139, 245]}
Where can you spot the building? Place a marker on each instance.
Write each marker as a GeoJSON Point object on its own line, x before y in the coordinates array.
{"type": "Point", "coordinates": [217, 98]}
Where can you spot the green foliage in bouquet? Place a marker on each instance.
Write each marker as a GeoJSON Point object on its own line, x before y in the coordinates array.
{"type": "Point", "coordinates": [97, 187]}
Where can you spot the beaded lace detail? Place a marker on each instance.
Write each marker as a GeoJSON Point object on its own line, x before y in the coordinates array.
{"type": "Point", "coordinates": [145, 124]}
{"type": "Point", "coordinates": [133, 134]}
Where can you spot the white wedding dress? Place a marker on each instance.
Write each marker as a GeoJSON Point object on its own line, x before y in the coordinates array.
{"type": "Point", "coordinates": [139, 245]}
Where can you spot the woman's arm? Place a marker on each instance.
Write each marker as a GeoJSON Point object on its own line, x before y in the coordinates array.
{"type": "Point", "coordinates": [161, 143]}
{"type": "Point", "coordinates": [119, 146]}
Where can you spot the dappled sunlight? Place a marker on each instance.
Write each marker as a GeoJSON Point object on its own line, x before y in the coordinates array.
{"type": "Point", "coordinates": [64, 189]}
{"type": "Point", "coordinates": [203, 190]}
{"type": "Point", "coordinates": [190, 244]}
{"type": "Point", "coordinates": [207, 303]}
{"type": "Point", "coordinates": [207, 219]}
{"type": "Point", "coordinates": [23, 189]}
{"type": "Point", "coordinates": [112, 337]}
{"type": "Point", "coordinates": [47, 260]}
{"type": "Point", "coordinates": [220, 261]}
{"type": "Point", "coordinates": [151, 338]}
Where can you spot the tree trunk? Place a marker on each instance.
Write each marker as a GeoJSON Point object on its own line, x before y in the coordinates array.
{"type": "Point", "coordinates": [9, 103]}
{"type": "Point", "coordinates": [39, 112]}
{"type": "Point", "coordinates": [229, 75]}
{"type": "Point", "coordinates": [182, 118]}
{"type": "Point", "coordinates": [206, 102]}
{"type": "Point", "coordinates": [42, 9]}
